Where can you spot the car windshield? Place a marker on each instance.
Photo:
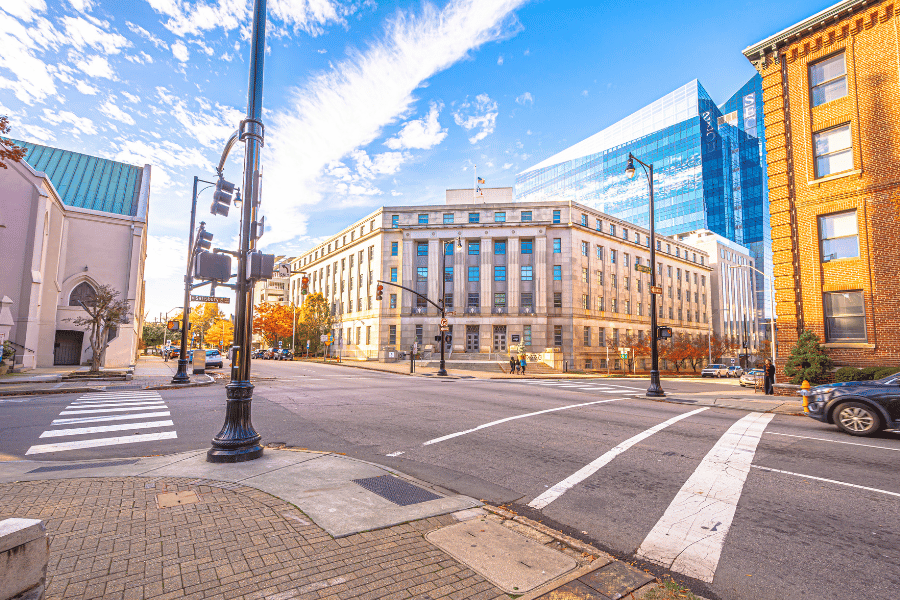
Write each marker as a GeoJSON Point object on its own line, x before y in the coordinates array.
{"type": "Point", "coordinates": [715, 366]}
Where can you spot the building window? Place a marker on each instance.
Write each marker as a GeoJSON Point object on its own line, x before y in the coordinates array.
{"type": "Point", "coordinates": [612, 230]}
{"type": "Point", "coordinates": [448, 274]}
{"type": "Point", "coordinates": [527, 300]}
{"type": "Point", "coordinates": [392, 335]}
{"type": "Point", "coordinates": [612, 256]}
{"type": "Point", "coordinates": [422, 249]}
{"type": "Point", "coordinates": [423, 219]}
{"type": "Point", "coordinates": [526, 335]}
{"type": "Point", "coordinates": [839, 236]}
{"type": "Point", "coordinates": [557, 299]}
{"type": "Point", "coordinates": [557, 272]}
{"type": "Point", "coordinates": [601, 336]}
{"type": "Point", "coordinates": [584, 275]}
{"type": "Point", "coordinates": [500, 300]}
{"type": "Point", "coordinates": [499, 272]}
{"type": "Point", "coordinates": [585, 248]}
{"type": "Point", "coordinates": [614, 305]}
{"type": "Point", "coordinates": [828, 79]}
{"type": "Point", "coordinates": [83, 292]}
{"type": "Point", "coordinates": [393, 300]}
{"type": "Point", "coordinates": [395, 222]}
{"type": "Point", "coordinates": [587, 336]}
{"type": "Point", "coordinates": [624, 234]}
{"type": "Point", "coordinates": [474, 248]}
{"type": "Point", "coordinates": [556, 216]}
{"type": "Point", "coordinates": [500, 247]}
{"type": "Point", "coordinates": [526, 246]}
{"type": "Point", "coordinates": [474, 300]}
{"type": "Point", "coordinates": [625, 283]}
{"type": "Point", "coordinates": [499, 217]}
{"type": "Point", "coordinates": [474, 217]}
{"type": "Point", "coordinates": [599, 252]}
{"type": "Point", "coordinates": [449, 248]}
{"type": "Point", "coordinates": [419, 334]}
{"type": "Point", "coordinates": [448, 301]}
{"type": "Point", "coordinates": [626, 259]}
{"type": "Point", "coordinates": [599, 225]}
{"type": "Point", "coordinates": [845, 317]}
{"type": "Point", "coordinates": [834, 150]}
{"type": "Point", "coordinates": [640, 309]}
{"type": "Point", "coordinates": [527, 273]}
{"type": "Point", "coordinates": [393, 274]}
{"type": "Point", "coordinates": [584, 220]}
{"type": "Point", "coordinates": [448, 218]}
{"type": "Point", "coordinates": [395, 248]}
{"type": "Point", "coordinates": [628, 307]}
{"type": "Point", "coordinates": [599, 277]}
{"type": "Point", "coordinates": [557, 245]}
{"type": "Point", "coordinates": [557, 335]}
{"type": "Point", "coordinates": [600, 306]}
{"type": "Point", "coordinates": [585, 302]}
{"type": "Point", "coordinates": [422, 273]}
{"type": "Point", "coordinates": [612, 280]}
{"type": "Point", "coordinates": [526, 216]}
{"type": "Point", "coordinates": [474, 273]}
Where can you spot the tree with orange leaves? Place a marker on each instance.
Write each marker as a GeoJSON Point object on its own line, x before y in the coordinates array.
{"type": "Point", "coordinates": [220, 333]}
{"type": "Point", "coordinates": [273, 322]}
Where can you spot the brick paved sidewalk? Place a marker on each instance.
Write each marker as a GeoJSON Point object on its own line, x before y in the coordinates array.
{"type": "Point", "coordinates": [110, 540]}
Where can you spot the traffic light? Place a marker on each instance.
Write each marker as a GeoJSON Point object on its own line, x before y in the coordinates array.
{"type": "Point", "coordinates": [222, 198]}
{"type": "Point", "coordinates": [304, 286]}
{"type": "Point", "coordinates": [204, 239]}
{"type": "Point", "coordinates": [378, 292]}
{"type": "Point", "coordinates": [173, 325]}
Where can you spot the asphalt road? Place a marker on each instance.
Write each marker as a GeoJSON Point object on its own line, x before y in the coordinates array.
{"type": "Point", "coordinates": [814, 516]}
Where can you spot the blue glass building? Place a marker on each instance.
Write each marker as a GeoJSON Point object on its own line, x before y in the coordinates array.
{"type": "Point", "coordinates": [709, 171]}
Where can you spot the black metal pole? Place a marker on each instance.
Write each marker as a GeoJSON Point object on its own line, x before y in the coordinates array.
{"type": "Point", "coordinates": [655, 390]}
{"type": "Point", "coordinates": [442, 370]}
{"type": "Point", "coordinates": [181, 376]}
{"type": "Point", "coordinates": [238, 441]}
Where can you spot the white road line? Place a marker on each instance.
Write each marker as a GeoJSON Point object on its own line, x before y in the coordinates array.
{"type": "Point", "coordinates": [110, 404]}
{"type": "Point", "coordinates": [507, 419]}
{"type": "Point", "coordinates": [113, 396]}
{"type": "Point", "coordinates": [75, 420]}
{"type": "Point", "coordinates": [853, 485]}
{"type": "Point", "coordinates": [105, 428]}
{"type": "Point", "coordinates": [114, 441]}
{"type": "Point", "coordinates": [111, 410]}
{"type": "Point", "coordinates": [392, 454]}
{"type": "Point", "coordinates": [117, 399]}
{"type": "Point", "coordinates": [806, 437]}
{"type": "Point", "coordinates": [690, 535]}
{"type": "Point", "coordinates": [586, 471]}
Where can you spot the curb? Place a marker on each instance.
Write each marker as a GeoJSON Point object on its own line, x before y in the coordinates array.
{"type": "Point", "coordinates": [83, 389]}
{"type": "Point", "coordinates": [790, 411]}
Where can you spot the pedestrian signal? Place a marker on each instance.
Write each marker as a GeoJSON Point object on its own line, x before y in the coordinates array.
{"type": "Point", "coordinates": [173, 326]}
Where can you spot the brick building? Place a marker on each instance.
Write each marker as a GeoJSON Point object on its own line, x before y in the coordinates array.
{"type": "Point", "coordinates": [832, 115]}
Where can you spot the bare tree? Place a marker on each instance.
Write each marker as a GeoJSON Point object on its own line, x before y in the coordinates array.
{"type": "Point", "coordinates": [104, 311]}
{"type": "Point", "coordinates": [8, 150]}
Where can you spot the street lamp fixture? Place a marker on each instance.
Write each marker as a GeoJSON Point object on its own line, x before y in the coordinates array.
{"type": "Point", "coordinates": [655, 390]}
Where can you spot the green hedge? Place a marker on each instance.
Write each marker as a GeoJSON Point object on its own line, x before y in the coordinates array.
{"type": "Point", "coordinates": [867, 374]}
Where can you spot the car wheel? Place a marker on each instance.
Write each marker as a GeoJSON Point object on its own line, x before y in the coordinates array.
{"type": "Point", "coordinates": [857, 419]}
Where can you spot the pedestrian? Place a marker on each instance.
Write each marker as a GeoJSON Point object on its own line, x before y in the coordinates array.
{"type": "Point", "coordinates": [770, 378]}
{"type": "Point", "coordinates": [166, 354]}
{"type": "Point", "coordinates": [522, 363]}
{"type": "Point", "coordinates": [512, 365]}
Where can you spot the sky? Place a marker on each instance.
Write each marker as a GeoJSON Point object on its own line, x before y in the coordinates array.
{"type": "Point", "coordinates": [366, 103]}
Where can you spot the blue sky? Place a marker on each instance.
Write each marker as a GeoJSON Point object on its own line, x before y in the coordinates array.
{"type": "Point", "coordinates": [366, 103]}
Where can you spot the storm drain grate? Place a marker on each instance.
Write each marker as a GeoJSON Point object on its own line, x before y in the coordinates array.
{"type": "Point", "coordinates": [82, 466]}
{"type": "Point", "coordinates": [396, 490]}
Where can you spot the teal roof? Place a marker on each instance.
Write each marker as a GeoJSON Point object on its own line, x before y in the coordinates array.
{"type": "Point", "coordinates": [87, 181]}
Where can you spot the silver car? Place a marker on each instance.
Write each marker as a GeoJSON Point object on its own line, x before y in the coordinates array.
{"type": "Point", "coordinates": [735, 371]}
{"type": "Point", "coordinates": [751, 377]}
{"type": "Point", "coordinates": [714, 370]}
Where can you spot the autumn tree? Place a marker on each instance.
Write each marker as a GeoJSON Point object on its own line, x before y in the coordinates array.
{"type": "Point", "coordinates": [8, 151]}
{"type": "Point", "coordinates": [202, 317]}
{"type": "Point", "coordinates": [677, 350]}
{"type": "Point", "coordinates": [154, 334]}
{"type": "Point", "coordinates": [104, 311]}
{"type": "Point", "coordinates": [639, 345]}
{"type": "Point", "coordinates": [314, 320]}
{"type": "Point", "coordinates": [273, 322]}
{"type": "Point", "coordinates": [220, 333]}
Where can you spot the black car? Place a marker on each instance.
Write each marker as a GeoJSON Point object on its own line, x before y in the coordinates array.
{"type": "Point", "coordinates": [859, 408]}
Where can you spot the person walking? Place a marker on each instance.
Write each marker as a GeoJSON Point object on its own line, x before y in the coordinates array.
{"type": "Point", "coordinates": [512, 365]}
{"type": "Point", "coordinates": [769, 378]}
{"type": "Point", "coordinates": [522, 363]}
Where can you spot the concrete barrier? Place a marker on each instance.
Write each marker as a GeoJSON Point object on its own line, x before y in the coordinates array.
{"type": "Point", "coordinates": [24, 552]}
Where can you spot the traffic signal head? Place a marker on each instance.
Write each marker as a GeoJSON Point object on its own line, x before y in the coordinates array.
{"type": "Point", "coordinates": [304, 285]}
{"type": "Point", "coordinates": [664, 333]}
{"type": "Point", "coordinates": [204, 239]}
{"type": "Point", "coordinates": [222, 198]}
{"type": "Point", "coordinates": [379, 291]}
{"type": "Point", "coordinates": [173, 325]}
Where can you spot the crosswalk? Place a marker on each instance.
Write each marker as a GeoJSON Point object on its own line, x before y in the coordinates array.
{"type": "Point", "coordinates": [585, 386]}
{"type": "Point", "coordinates": [88, 421]}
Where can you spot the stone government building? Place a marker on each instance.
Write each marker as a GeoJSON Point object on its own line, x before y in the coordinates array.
{"type": "Point", "coordinates": [546, 275]}
{"type": "Point", "coordinates": [69, 223]}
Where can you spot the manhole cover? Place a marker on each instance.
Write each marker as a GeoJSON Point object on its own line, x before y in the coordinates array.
{"type": "Point", "coordinates": [82, 466]}
{"type": "Point", "coordinates": [170, 499]}
{"type": "Point", "coordinates": [396, 490]}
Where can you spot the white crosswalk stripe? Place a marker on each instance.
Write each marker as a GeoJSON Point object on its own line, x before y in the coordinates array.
{"type": "Point", "coordinates": [131, 411]}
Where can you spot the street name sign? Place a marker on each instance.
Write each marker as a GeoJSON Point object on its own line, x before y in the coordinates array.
{"type": "Point", "coordinates": [642, 268]}
{"type": "Point", "coordinates": [210, 299]}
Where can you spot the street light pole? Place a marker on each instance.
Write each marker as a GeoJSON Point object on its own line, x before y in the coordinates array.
{"type": "Point", "coordinates": [181, 376]}
{"type": "Point", "coordinates": [442, 370]}
{"type": "Point", "coordinates": [655, 390]}
{"type": "Point", "coordinates": [238, 441]}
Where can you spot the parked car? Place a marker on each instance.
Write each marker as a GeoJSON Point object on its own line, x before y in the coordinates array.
{"type": "Point", "coordinates": [860, 408]}
{"type": "Point", "coordinates": [735, 371]}
{"type": "Point", "coordinates": [751, 377]}
{"type": "Point", "coordinates": [214, 359]}
{"type": "Point", "coordinates": [714, 370]}
{"type": "Point", "coordinates": [174, 351]}
{"type": "Point", "coordinates": [283, 354]}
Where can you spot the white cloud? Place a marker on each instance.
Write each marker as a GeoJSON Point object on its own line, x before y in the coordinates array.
{"type": "Point", "coordinates": [180, 51]}
{"type": "Point", "coordinates": [480, 114]}
{"type": "Point", "coordinates": [166, 256]}
{"type": "Point", "coordinates": [23, 9]}
{"type": "Point", "coordinates": [507, 166]}
{"type": "Point", "coordinates": [140, 58]}
{"type": "Point", "coordinates": [131, 97]}
{"type": "Point", "coordinates": [206, 49]}
{"type": "Point", "coordinates": [36, 132]}
{"type": "Point", "coordinates": [211, 125]}
{"type": "Point", "coordinates": [81, 34]}
{"type": "Point", "coordinates": [421, 133]}
{"type": "Point", "coordinates": [163, 156]}
{"type": "Point", "coordinates": [32, 78]}
{"type": "Point", "coordinates": [82, 5]}
{"type": "Point", "coordinates": [500, 60]}
{"type": "Point", "coordinates": [86, 88]}
{"type": "Point", "coordinates": [584, 93]}
{"type": "Point", "coordinates": [525, 98]}
{"type": "Point", "coordinates": [156, 41]}
{"type": "Point", "coordinates": [111, 110]}
{"type": "Point", "coordinates": [96, 66]}
{"type": "Point", "coordinates": [79, 124]}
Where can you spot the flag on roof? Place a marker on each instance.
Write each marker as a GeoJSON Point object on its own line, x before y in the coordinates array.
{"type": "Point", "coordinates": [480, 180]}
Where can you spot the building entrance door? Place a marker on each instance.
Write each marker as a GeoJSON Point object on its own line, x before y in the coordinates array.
{"type": "Point", "coordinates": [472, 342]}
{"type": "Point", "coordinates": [499, 338]}
{"type": "Point", "coordinates": [67, 347]}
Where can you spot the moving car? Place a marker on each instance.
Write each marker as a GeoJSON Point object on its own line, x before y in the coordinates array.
{"type": "Point", "coordinates": [714, 370]}
{"type": "Point", "coordinates": [860, 408]}
{"type": "Point", "coordinates": [750, 378]}
{"type": "Point", "coordinates": [283, 354]}
{"type": "Point", "coordinates": [735, 371]}
{"type": "Point", "coordinates": [214, 359]}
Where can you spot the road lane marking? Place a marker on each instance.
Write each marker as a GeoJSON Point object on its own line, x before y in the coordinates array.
{"type": "Point", "coordinates": [105, 428]}
{"type": "Point", "coordinates": [114, 403]}
{"type": "Point", "coordinates": [145, 406]}
{"type": "Point", "coordinates": [853, 485]}
{"type": "Point", "coordinates": [74, 420]}
{"type": "Point", "coordinates": [122, 393]}
{"type": "Point", "coordinates": [690, 535]}
{"type": "Point", "coordinates": [806, 437]}
{"type": "Point", "coordinates": [507, 419]}
{"type": "Point", "coordinates": [113, 441]}
{"type": "Point", "coordinates": [392, 454]}
{"type": "Point", "coordinates": [586, 471]}
{"type": "Point", "coordinates": [118, 399]}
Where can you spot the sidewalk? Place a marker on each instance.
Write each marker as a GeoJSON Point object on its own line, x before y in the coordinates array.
{"type": "Point", "coordinates": [290, 525]}
{"type": "Point", "coordinates": [150, 372]}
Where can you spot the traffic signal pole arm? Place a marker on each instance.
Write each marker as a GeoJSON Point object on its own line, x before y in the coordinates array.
{"type": "Point", "coordinates": [425, 298]}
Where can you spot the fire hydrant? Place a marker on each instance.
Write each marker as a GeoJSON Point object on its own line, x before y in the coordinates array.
{"type": "Point", "coordinates": [804, 391]}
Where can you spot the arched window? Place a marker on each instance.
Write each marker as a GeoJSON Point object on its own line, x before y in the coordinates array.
{"type": "Point", "coordinates": [83, 292]}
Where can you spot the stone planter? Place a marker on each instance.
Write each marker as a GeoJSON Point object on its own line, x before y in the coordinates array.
{"type": "Point", "coordinates": [4, 368]}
